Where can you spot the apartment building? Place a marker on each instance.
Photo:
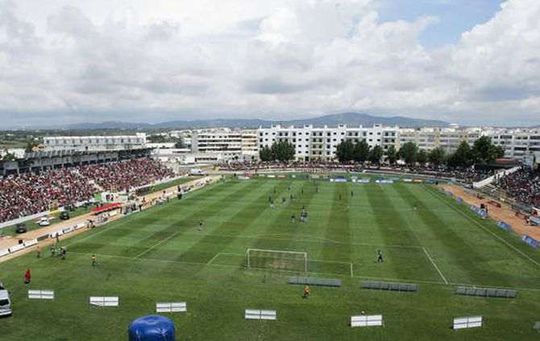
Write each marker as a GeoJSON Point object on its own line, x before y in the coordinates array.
{"type": "Point", "coordinates": [517, 143]}
{"type": "Point", "coordinates": [434, 137]}
{"type": "Point", "coordinates": [94, 143]}
{"type": "Point", "coordinates": [229, 144]}
{"type": "Point", "coordinates": [313, 143]}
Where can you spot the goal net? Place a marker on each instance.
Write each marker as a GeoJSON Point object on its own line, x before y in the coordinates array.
{"type": "Point", "coordinates": [276, 259]}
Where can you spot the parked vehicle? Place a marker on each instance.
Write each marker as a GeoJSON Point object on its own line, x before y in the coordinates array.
{"type": "Point", "coordinates": [64, 215]}
{"type": "Point", "coordinates": [44, 221]}
{"type": "Point", "coordinates": [5, 302]}
{"type": "Point", "coordinates": [21, 228]}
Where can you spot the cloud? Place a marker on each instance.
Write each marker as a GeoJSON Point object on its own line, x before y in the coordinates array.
{"type": "Point", "coordinates": [85, 61]}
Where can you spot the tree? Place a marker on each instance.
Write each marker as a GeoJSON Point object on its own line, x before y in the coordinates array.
{"type": "Point", "coordinates": [283, 151]}
{"type": "Point", "coordinates": [361, 151]}
{"type": "Point", "coordinates": [156, 139]}
{"type": "Point", "coordinates": [482, 150]}
{"type": "Point", "coordinates": [30, 145]}
{"type": "Point", "coordinates": [376, 154]}
{"type": "Point", "coordinates": [179, 143]}
{"type": "Point", "coordinates": [8, 156]}
{"type": "Point", "coordinates": [391, 154]}
{"type": "Point", "coordinates": [462, 156]}
{"type": "Point", "coordinates": [408, 152]}
{"type": "Point", "coordinates": [498, 151]}
{"type": "Point", "coordinates": [265, 154]}
{"type": "Point", "coordinates": [422, 156]}
{"type": "Point", "coordinates": [345, 151]}
{"type": "Point", "coordinates": [436, 156]}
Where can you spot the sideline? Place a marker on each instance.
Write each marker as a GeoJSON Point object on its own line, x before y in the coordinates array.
{"type": "Point", "coordinates": [7, 243]}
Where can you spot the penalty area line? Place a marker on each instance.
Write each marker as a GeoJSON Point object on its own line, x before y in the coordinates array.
{"type": "Point", "coordinates": [157, 244]}
{"type": "Point", "coordinates": [435, 266]}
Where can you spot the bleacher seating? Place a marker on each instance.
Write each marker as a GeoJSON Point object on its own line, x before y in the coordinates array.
{"type": "Point", "coordinates": [486, 292]}
{"type": "Point", "coordinates": [391, 286]}
{"type": "Point", "coordinates": [314, 281]}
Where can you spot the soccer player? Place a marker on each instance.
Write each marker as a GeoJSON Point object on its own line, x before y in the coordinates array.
{"type": "Point", "coordinates": [380, 258]}
{"type": "Point", "coordinates": [27, 276]}
{"type": "Point", "coordinates": [38, 252]}
{"type": "Point", "coordinates": [293, 218]}
{"type": "Point", "coordinates": [94, 262]}
{"type": "Point", "coordinates": [307, 292]}
{"type": "Point", "coordinates": [200, 225]}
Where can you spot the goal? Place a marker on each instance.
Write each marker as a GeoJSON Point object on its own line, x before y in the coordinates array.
{"type": "Point", "coordinates": [276, 259]}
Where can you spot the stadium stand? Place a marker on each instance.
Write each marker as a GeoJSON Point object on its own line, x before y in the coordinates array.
{"type": "Point", "coordinates": [30, 193]}
{"type": "Point", "coordinates": [523, 186]}
{"type": "Point", "coordinates": [464, 175]}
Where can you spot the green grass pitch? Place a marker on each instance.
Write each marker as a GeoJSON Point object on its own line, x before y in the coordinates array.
{"type": "Point", "coordinates": [161, 256]}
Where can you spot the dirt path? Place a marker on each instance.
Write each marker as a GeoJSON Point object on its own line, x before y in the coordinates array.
{"type": "Point", "coordinates": [9, 241]}
{"type": "Point", "coordinates": [504, 213]}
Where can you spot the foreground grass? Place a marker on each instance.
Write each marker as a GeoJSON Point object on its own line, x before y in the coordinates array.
{"type": "Point", "coordinates": [160, 255]}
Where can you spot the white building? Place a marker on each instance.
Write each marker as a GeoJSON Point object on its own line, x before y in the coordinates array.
{"type": "Point", "coordinates": [434, 137]}
{"type": "Point", "coordinates": [94, 143]}
{"type": "Point", "coordinates": [313, 143]}
{"type": "Point", "coordinates": [517, 143]}
{"type": "Point", "coordinates": [226, 143]}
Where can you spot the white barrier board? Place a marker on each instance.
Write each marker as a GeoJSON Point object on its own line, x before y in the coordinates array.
{"type": "Point", "coordinates": [256, 314]}
{"type": "Point", "coordinates": [16, 248]}
{"type": "Point", "coordinates": [41, 294]}
{"type": "Point", "coordinates": [467, 322]}
{"type": "Point", "coordinates": [171, 307]}
{"type": "Point", "coordinates": [107, 301]}
{"type": "Point", "coordinates": [4, 252]}
{"type": "Point", "coordinates": [31, 242]}
{"type": "Point", "coordinates": [366, 320]}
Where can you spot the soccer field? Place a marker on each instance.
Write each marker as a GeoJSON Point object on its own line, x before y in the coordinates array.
{"type": "Point", "coordinates": [161, 255]}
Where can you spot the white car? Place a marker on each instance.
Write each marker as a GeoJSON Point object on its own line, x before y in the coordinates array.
{"type": "Point", "coordinates": [44, 221]}
{"type": "Point", "coordinates": [5, 302]}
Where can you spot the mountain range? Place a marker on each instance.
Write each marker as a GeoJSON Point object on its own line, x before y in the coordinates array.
{"type": "Point", "coordinates": [348, 118]}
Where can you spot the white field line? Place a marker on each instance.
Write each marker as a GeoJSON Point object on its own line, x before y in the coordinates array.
{"type": "Point", "coordinates": [435, 266]}
{"type": "Point", "coordinates": [490, 232]}
{"type": "Point", "coordinates": [222, 253]}
{"type": "Point", "coordinates": [312, 240]}
{"type": "Point", "coordinates": [157, 244]}
{"type": "Point", "coordinates": [409, 280]}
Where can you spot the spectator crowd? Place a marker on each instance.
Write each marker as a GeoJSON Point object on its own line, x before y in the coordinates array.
{"type": "Point", "coordinates": [464, 175]}
{"type": "Point", "coordinates": [29, 193]}
{"type": "Point", "coordinates": [523, 186]}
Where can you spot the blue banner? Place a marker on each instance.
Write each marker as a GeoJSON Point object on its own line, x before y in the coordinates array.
{"type": "Point", "coordinates": [531, 241]}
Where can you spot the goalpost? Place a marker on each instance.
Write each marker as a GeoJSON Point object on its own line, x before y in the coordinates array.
{"type": "Point", "coordinates": [276, 259]}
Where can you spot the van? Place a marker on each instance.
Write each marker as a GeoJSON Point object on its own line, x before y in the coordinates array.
{"type": "Point", "coordinates": [5, 302]}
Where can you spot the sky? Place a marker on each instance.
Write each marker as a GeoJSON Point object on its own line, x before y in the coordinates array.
{"type": "Point", "coordinates": [472, 62]}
